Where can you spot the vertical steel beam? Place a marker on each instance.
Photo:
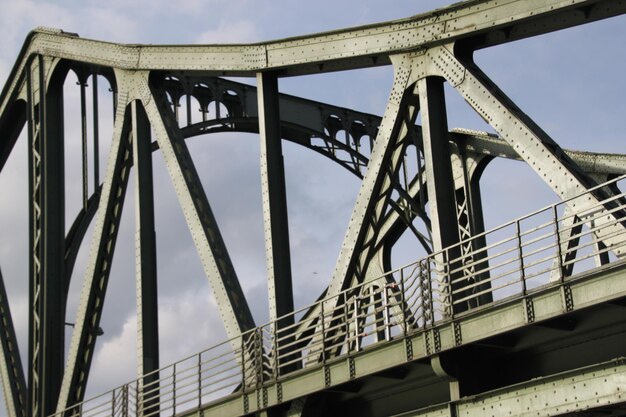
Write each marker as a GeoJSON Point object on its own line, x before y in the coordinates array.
{"type": "Point", "coordinates": [439, 179]}
{"type": "Point", "coordinates": [34, 218]}
{"type": "Point", "coordinates": [82, 82]}
{"type": "Point", "coordinates": [277, 253]}
{"type": "Point", "coordinates": [146, 266]}
{"type": "Point", "coordinates": [100, 259]}
{"type": "Point", "coordinates": [470, 224]}
{"type": "Point", "coordinates": [477, 227]}
{"type": "Point", "coordinates": [96, 134]}
{"type": "Point", "coordinates": [13, 381]}
{"type": "Point", "coordinates": [47, 226]}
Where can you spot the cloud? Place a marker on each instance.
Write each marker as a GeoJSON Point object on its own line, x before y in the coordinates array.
{"type": "Point", "coordinates": [188, 323]}
{"type": "Point", "coordinates": [242, 31]}
{"type": "Point", "coordinates": [115, 362]}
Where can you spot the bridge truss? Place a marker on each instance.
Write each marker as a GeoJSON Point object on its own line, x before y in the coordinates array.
{"type": "Point", "coordinates": [431, 325]}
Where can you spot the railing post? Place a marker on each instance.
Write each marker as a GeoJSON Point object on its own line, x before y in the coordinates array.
{"type": "Point", "coordinates": [449, 308]}
{"type": "Point", "coordinates": [346, 323]}
{"type": "Point", "coordinates": [258, 348]}
{"type": "Point", "coordinates": [113, 403]}
{"type": "Point", "coordinates": [174, 389]}
{"type": "Point", "coordinates": [125, 401]}
{"type": "Point", "coordinates": [357, 330]}
{"type": "Point", "coordinates": [323, 327]}
{"type": "Point", "coordinates": [275, 348]}
{"type": "Point", "coordinates": [386, 313]}
{"type": "Point", "coordinates": [199, 379]}
{"type": "Point", "coordinates": [404, 306]}
{"type": "Point", "coordinates": [139, 408]}
{"type": "Point", "coordinates": [430, 304]}
{"type": "Point", "coordinates": [558, 243]}
{"type": "Point", "coordinates": [243, 363]}
{"type": "Point", "coordinates": [520, 255]}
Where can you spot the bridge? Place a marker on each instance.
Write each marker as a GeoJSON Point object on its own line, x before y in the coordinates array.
{"type": "Point", "coordinates": [523, 319]}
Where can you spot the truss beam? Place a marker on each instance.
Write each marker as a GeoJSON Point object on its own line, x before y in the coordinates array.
{"type": "Point", "coordinates": [215, 259]}
{"type": "Point", "coordinates": [100, 259]}
{"type": "Point", "coordinates": [541, 153]}
{"type": "Point", "coordinates": [483, 22]}
{"type": "Point", "coordinates": [426, 51]}
{"type": "Point", "coordinates": [47, 228]}
{"type": "Point", "coordinates": [368, 214]}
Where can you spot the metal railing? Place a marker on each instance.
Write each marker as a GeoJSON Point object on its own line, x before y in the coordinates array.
{"type": "Point", "coordinates": [532, 252]}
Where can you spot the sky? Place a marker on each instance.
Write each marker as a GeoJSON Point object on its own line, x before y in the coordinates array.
{"type": "Point", "coordinates": [570, 82]}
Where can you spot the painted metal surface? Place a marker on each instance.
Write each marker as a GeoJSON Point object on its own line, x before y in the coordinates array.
{"type": "Point", "coordinates": [347, 349]}
{"type": "Point", "coordinates": [369, 319]}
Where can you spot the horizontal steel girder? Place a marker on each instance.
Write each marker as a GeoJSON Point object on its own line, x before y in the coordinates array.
{"type": "Point", "coordinates": [483, 22]}
{"type": "Point", "coordinates": [584, 390]}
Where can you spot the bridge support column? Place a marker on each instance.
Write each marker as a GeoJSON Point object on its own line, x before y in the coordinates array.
{"type": "Point", "coordinates": [146, 268]}
{"type": "Point", "coordinates": [466, 168]}
{"type": "Point", "coordinates": [275, 221]}
{"type": "Point", "coordinates": [47, 236]}
{"type": "Point", "coordinates": [439, 182]}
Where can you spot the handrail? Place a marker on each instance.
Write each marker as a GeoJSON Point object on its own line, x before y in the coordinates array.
{"type": "Point", "coordinates": [412, 298]}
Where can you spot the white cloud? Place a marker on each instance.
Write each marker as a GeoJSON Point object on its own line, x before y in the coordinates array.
{"type": "Point", "coordinates": [242, 31]}
{"type": "Point", "coordinates": [115, 361]}
{"type": "Point", "coordinates": [188, 323]}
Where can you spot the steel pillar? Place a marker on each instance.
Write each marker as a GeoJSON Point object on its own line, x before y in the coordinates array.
{"type": "Point", "coordinates": [146, 257]}
{"type": "Point", "coordinates": [277, 253]}
{"type": "Point", "coordinates": [466, 168]}
{"type": "Point", "coordinates": [47, 226]}
{"type": "Point", "coordinates": [440, 183]}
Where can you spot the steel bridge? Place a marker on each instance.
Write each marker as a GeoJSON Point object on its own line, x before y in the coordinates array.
{"type": "Point", "coordinates": [525, 319]}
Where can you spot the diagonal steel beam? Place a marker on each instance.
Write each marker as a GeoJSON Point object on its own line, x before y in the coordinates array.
{"type": "Point", "coordinates": [13, 381]}
{"type": "Point", "coordinates": [529, 141]}
{"type": "Point", "coordinates": [358, 247]}
{"type": "Point", "coordinates": [217, 265]}
{"type": "Point", "coordinates": [76, 234]}
{"type": "Point", "coordinates": [368, 213]}
{"type": "Point", "coordinates": [103, 243]}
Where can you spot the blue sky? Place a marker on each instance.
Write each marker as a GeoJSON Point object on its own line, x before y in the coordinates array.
{"type": "Point", "coordinates": [570, 82]}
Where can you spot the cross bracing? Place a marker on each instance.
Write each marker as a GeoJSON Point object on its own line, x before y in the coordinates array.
{"type": "Point", "coordinates": [432, 303]}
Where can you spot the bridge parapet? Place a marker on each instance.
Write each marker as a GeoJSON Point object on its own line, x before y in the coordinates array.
{"type": "Point", "coordinates": [529, 265]}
